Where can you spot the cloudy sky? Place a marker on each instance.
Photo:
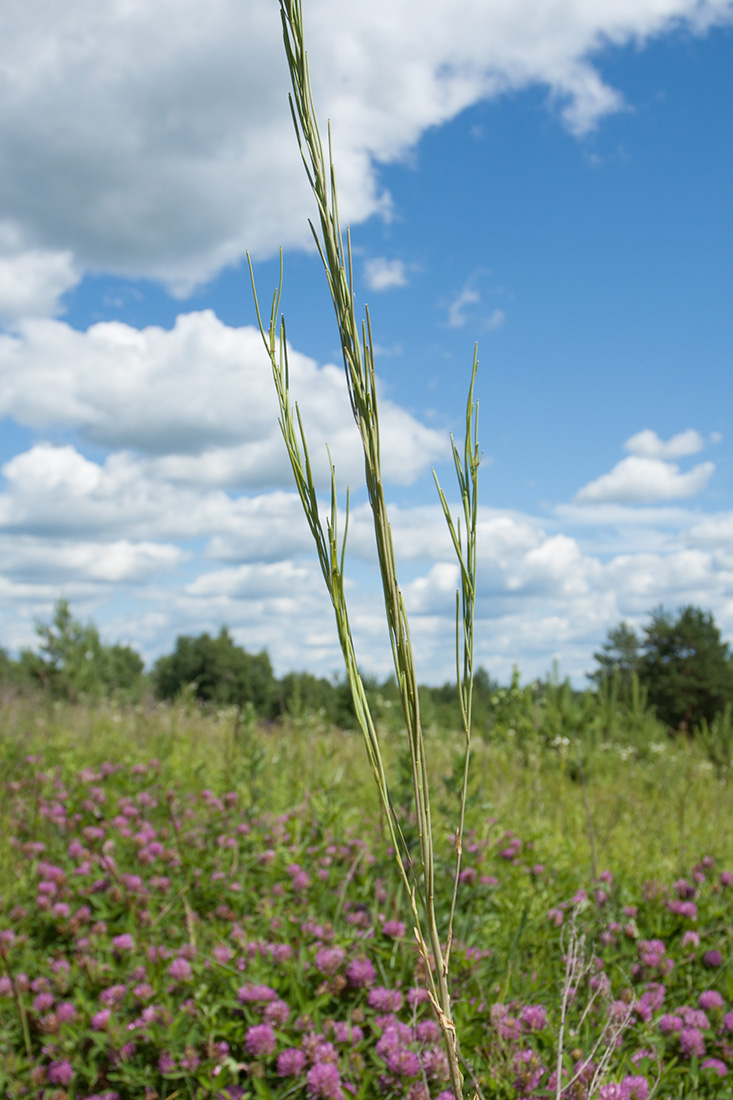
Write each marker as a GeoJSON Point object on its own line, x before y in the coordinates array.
{"type": "Point", "coordinates": [552, 179]}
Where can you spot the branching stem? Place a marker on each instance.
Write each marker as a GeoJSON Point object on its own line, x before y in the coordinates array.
{"type": "Point", "coordinates": [357, 347]}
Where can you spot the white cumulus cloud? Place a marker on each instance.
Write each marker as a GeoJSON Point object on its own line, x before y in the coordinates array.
{"type": "Point", "coordinates": [645, 480]}
{"type": "Point", "coordinates": [31, 283]}
{"type": "Point", "coordinates": [647, 444]}
{"type": "Point", "coordinates": [458, 308]}
{"type": "Point", "coordinates": [199, 398]}
{"type": "Point", "coordinates": [190, 557]}
{"type": "Point", "coordinates": [55, 562]}
{"type": "Point", "coordinates": [383, 274]}
{"type": "Point", "coordinates": [155, 139]}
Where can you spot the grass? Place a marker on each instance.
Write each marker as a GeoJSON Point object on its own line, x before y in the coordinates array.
{"type": "Point", "coordinates": [650, 815]}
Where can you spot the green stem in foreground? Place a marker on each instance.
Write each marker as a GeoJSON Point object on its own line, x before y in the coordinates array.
{"type": "Point", "coordinates": [465, 548]}
{"type": "Point", "coordinates": [358, 354]}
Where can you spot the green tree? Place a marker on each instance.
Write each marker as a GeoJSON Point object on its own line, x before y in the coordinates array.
{"type": "Point", "coordinates": [441, 703]}
{"type": "Point", "coordinates": [686, 667]}
{"type": "Point", "coordinates": [7, 667]}
{"type": "Point", "coordinates": [73, 663]}
{"type": "Point", "coordinates": [620, 651]}
{"type": "Point", "coordinates": [123, 669]}
{"type": "Point", "coordinates": [220, 672]}
{"type": "Point", "coordinates": [301, 694]}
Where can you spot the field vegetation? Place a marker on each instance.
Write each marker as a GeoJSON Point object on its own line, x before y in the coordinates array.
{"type": "Point", "coordinates": [200, 903]}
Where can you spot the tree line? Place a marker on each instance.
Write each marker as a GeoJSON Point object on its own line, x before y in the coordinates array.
{"type": "Point", "coordinates": [71, 662]}
{"type": "Point", "coordinates": [679, 663]}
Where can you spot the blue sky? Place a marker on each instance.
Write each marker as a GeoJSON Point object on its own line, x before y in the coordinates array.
{"type": "Point", "coordinates": [552, 180]}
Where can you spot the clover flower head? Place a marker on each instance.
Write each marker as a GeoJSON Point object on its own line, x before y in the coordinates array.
{"type": "Point", "coordinates": [260, 1041]}
{"type": "Point", "coordinates": [324, 1082]}
{"type": "Point", "coordinates": [290, 1062]}
{"type": "Point", "coordinates": [180, 970]}
{"type": "Point", "coordinates": [692, 1042]}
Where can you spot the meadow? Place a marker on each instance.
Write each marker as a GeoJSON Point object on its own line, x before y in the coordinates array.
{"type": "Point", "coordinates": [199, 902]}
{"type": "Point", "coordinates": [196, 903]}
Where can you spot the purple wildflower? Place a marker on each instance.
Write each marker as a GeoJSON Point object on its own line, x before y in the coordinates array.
{"type": "Point", "coordinates": [260, 1041]}
{"type": "Point", "coordinates": [534, 1017]}
{"type": "Point", "coordinates": [686, 909]}
{"type": "Point", "coordinates": [670, 1023]}
{"type": "Point", "coordinates": [635, 1088]}
{"type": "Point", "coordinates": [190, 1060]}
{"type": "Point", "coordinates": [281, 952]}
{"type": "Point", "coordinates": [65, 1012]}
{"type": "Point", "coordinates": [651, 952]}
{"type": "Point", "coordinates": [322, 1050]}
{"type": "Point", "coordinates": [434, 1064]}
{"type": "Point", "coordinates": [416, 996]}
{"type": "Point", "coordinates": [277, 1012]}
{"type": "Point", "coordinates": [712, 958]}
{"type": "Point", "coordinates": [692, 1042]}
{"type": "Point", "coordinates": [404, 1063]}
{"type": "Point", "coordinates": [709, 1000]}
{"type": "Point", "coordinates": [428, 1031]}
{"type": "Point", "coordinates": [100, 1020]}
{"type": "Point", "coordinates": [360, 972]}
{"type": "Point", "coordinates": [385, 1000]}
{"type": "Point", "coordinates": [125, 942]}
{"type": "Point", "coordinates": [684, 888]}
{"type": "Point", "coordinates": [255, 994]}
{"type": "Point", "coordinates": [694, 1017]}
{"type": "Point", "coordinates": [715, 1064]}
{"type": "Point", "coordinates": [324, 1082]}
{"type": "Point", "coordinates": [112, 996]}
{"type": "Point", "coordinates": [329, 959]}
{"type": "Point", "coordinates": [529, 1070]}
{"type": "Point", "coordinates": [43, 1002]}
{"type": "Point", "coordinates": [290, 1062]}
{"type": "Point", "coordinates": [180, 970]}
{"type": "Point", "coordinates": [650, 1002]}
{"type": "Point", "coordinates": [393, 1049]}
{"type": "Point", "coordinates": [507, 1025]}
{"type": "Point", "coordinates": [60, 1073]}
{"type": "Point", "coordinates": [347, 1033]}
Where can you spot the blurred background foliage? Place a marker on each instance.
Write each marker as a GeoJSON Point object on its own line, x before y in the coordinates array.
{"type": "Point", "coordinates": [675, 679]}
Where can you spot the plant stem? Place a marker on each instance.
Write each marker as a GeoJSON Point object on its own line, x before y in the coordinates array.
{"type": "Point", "coordinates": [358, 355]}
{"type": "Point", "coordinates": [22, 1015]}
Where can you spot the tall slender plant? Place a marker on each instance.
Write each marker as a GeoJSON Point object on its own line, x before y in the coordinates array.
{"type": "Point", "coordinates": [357, 346]}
